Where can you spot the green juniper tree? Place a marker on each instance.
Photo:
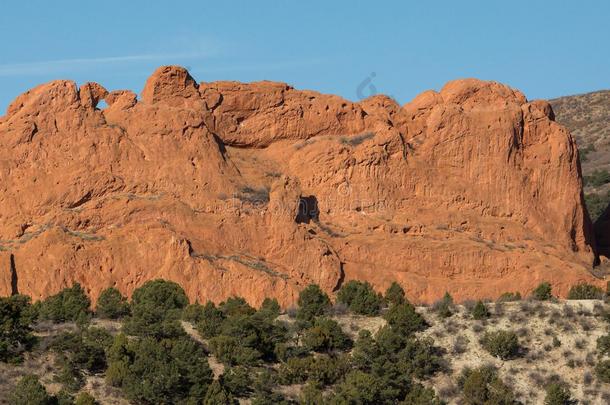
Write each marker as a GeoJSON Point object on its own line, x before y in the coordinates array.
{"type": "Point", "coordinates": [480, 311]}
{"type": "Point", "coordinates": [543, 292]}
{"type": "Point", "coordinates": [29, 391]}
{"type": "Point", "coordinates": [558, 394]}
{"type": "Point", "coordinates": [70, 304]}
{"type": "Point", "coordinates": [156, 308]}
{"type": "Point", "coordinates": [16, 316]}
{"type": "Point", "coordinates": [395, 295]}
{"type": "Point", "coordinates": [360, 298]}
{"type": "Point", "coordinates": [112, 304]}
{"type": "Point", "coordinates": [312, 302]}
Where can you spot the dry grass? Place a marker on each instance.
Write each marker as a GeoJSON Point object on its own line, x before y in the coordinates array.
{"type": "Point", "coordinates": [577, 328]}
{"type": "Point", "coordinates": [41, 362]}
{"type": "Point", "coordinates": [105, 394]}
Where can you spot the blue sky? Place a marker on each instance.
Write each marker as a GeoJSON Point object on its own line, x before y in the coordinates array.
{"type": "Point", "coordinates": [351, 48]}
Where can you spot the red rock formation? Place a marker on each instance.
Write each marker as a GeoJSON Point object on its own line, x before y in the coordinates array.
{"type": "Point", "coordinates": [472, 190]}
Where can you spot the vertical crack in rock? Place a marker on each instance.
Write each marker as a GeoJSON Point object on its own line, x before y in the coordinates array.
{"type": "Point", "coordinates": [341, 277]}
{"type": "Point", "coordinates": [14, 278]}
{"type": "Point", "coordinates": [404, 146]}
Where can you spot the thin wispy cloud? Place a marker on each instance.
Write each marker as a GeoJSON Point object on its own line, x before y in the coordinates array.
{"type": "Point", "coordinates": [67, 65]}
{"type": "Point", "coordinates": [261, 67]}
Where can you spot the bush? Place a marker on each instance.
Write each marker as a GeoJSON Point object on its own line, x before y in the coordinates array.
{"type": "Point", "coordinates": [558, 394]}
{"type": "Point", "coordinates": [326, 370]}
{"type": "Point", "coordinates": [69, 375]}
{"type": "Point", "coordinates": [326, 335]}
{"type": "Point", "coordinates": [365, 351]}
{"type": "Point", "coordinates": [420, 395]}
{"type": "Point", "coordinates": [320, 370]}
{"type": "Point", "coordinates": [502, 344]}
{"type": "Point", "coordinates": [16, 315]}
{"type": "Point", "coordinates": [396, 358]}
{"type": "Point", "coordinates": [70, 304]}
{"type": "Point", "coordinates": [29, 391]}
{"type": "Point", "coordinates": [235, 306]}
{"type": "Point", "coordinates": [405, 319]}
{"type": "Point", "coordinates": [84, 398]}
{"type": "Point", "coordinates": [285, 351]}
{"type": "Point", "coordinates": [164, 295]}
{"type": "Point", "coordinates": [597, 204]}
{"type": "Point", "coordinates": [165, 371]}
{"type": "Point", "coordinates": [509, 297]}
{"type": "Point", "coordinates": [363, 389]}
{"type": "Point", "coordinates": [483, 386]}
{"type": "Point", "coordinates": [263, 390]}
{"type": "Point", "coordinates": [255, 196]}
{"type": "Point", "coordinates": [395, 295]}
{"type": "Point", "coordinates": [270, 307]}
{"type": "Point", "coordinates": [480, 311]}
{"type": "Point", "coordinates": [156, 308]}
{"type": "Point", "coordinates": [237, 380]}
{"type": "Point", "coordinates": [311, 394]}
{"type": "Point", "coordinates": [419, 358]}
{"type": "Point", "coordinates": [444, 307]}
{"type": "Point", "coordinates": [230, 351]}
{"type": "Point", "coordinates": [210, 320]}
{"type": "Point", "coordinates": [360, 298]}
{"type": "Point", "coordinates": [218, 395]}
{"type": "Point", "coordinates": [257, 331]}
{"type": "Point", "coordinates": [239, 334]}
{"type": "Point", "coordinates": [585, 291]}
{"type": "Point", "coordinates": [388, 343]}
{"type": "Point", "coordinates": [193, 313]}
{"type": "Point", "coordinates": [597, 178]}
{"type": "Point", "coordinates": [118, 359]}
{"type": "Point", "coordinates": [84, 349]}
{"type": "Point", "coordinates": [63, 397]}
{"type": "Point", "coordinates": [269, 398]}
{"type": "Point", "coordinates": [312, 302]}
{"type": "Point", "coordinates": [602, 370]}
{"type": "Point", "coordinates": [603, 344]}
{"type": "Point", "coordinates": [111, 304]}
{"type": "Point", "coordinates": [543, 292]}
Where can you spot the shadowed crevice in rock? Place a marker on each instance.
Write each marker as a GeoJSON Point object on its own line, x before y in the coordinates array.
{"type": "Point", "coordinates": [308, 210]}
{"type": "Point", "coordinates": [14, 278]}
{"type": "Point", "coordinates": [341, 278]}
{"type": "Point", "coordinates": [602, 233]}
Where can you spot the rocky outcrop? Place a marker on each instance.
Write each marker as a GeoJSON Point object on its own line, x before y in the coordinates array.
{"type": "Point", "coordinates": [472, 190]}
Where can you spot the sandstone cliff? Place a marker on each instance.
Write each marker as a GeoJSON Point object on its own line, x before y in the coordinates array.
{"type": "Point", "coordinates": [259, 189]}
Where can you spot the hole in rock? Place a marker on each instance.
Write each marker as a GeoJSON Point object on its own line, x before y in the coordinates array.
{"type": "Point", "coordinates": [308, 210]}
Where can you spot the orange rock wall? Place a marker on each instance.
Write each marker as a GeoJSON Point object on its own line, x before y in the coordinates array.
{"type": "Point", "coordinates": [472, 190]}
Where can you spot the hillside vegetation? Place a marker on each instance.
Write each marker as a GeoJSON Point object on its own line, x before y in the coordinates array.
{"type": "Point", "coordinates": [587, 116]}
{"type": "Point", "coordinates": [363, 348]}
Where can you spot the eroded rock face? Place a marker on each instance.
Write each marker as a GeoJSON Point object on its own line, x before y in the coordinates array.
{"type": "Point", "coordinates": [472, 190]}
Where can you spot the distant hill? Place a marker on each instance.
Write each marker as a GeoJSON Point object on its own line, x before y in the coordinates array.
{"type": "Point", "coordinates": [587, 116]}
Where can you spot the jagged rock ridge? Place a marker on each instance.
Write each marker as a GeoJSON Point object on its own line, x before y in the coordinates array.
{"type": "Point", "coordinates": [259, 189]}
